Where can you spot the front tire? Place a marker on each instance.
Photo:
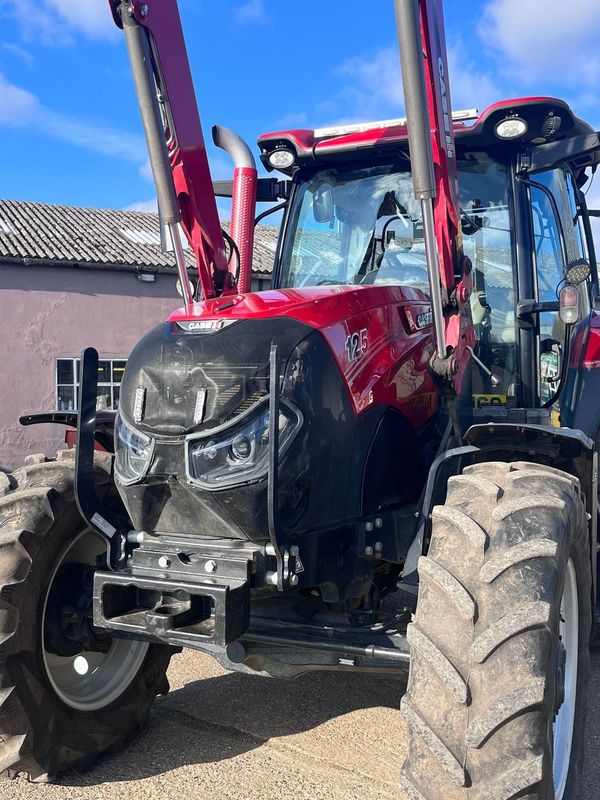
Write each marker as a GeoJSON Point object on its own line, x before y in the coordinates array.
{"type": "Point", "coordinates": [499, 644]}
{"type": "Point", "coordinates": [62, 704]}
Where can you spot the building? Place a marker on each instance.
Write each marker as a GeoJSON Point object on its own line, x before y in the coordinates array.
{"type": "Point", "coordinates": [72, 278]}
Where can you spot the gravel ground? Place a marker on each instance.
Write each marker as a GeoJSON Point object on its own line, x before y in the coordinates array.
{"type": "Point", "coordinates": [234, 737]}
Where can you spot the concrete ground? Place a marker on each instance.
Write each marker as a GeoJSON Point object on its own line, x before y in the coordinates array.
{"type": "Point", "coordinates": [221, 736]}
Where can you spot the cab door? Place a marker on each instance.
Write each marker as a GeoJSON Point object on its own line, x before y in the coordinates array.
{"type": "Point", "coordinates": [558, 241]}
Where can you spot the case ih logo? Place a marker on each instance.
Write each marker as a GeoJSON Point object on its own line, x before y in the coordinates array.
{"type": "Point", "coordinates": [204, 325]}
{"type": "Point", "coordinates": [445, 109]}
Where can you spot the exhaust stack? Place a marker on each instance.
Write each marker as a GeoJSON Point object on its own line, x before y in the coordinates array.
{"type": "Point", "coordinates": [243, 200]}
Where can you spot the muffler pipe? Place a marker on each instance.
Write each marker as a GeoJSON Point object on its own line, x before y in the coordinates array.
{"type": "Point", "coordinates": [138, 48]}
{"type": "Point", "coordinates": [243, 199]}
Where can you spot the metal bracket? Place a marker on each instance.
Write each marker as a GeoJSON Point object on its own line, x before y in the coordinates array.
{"type": "Point", "coordinates": [287, 558]}
{"type": "Point", "coordinates": [112, 527]}
{"type": "Point", "coordinates": [409, 573]}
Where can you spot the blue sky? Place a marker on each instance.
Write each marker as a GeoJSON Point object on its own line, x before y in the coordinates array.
{"type": "Point", "coordinates": [69, 123]}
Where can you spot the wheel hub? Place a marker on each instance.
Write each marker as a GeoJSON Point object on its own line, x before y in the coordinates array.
{"type": "Point", "coordinates": [87, 668]}
{"type": "Point", "coordinates": [68, 625]}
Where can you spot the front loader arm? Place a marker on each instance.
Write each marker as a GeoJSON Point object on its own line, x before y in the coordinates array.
{"type": "Point", "coordinates": [174, 135]}
{"type": "Point", "coordinates": [435, 176]}
{"type": "Point", "coordinates": [446, 203]}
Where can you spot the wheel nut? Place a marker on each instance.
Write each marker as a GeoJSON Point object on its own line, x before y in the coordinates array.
{"type": "Point", "coordinates": [293, 580]}
{"type": "Point", "coordinates": [210, 566]}
{"type": "Point", "coordinates": [164, 562]}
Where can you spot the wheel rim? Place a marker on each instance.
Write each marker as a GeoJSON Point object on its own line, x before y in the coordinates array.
{"type": "Point", "coordinates": [90, 680]}
{"type": "Point", "coordinates": [565, 719]}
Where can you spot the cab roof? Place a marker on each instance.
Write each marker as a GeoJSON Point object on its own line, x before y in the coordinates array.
{"type": "Point", "coordinates": [547, 119]}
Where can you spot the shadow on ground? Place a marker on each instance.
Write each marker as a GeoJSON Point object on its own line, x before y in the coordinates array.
{"type": "Point", "coordinates": [223, 716]}
{"type": "Point", "coordinates": [334, 729]}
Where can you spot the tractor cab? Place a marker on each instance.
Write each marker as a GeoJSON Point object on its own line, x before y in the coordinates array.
{"type": "Point", "coordinates": [387, 459]}
{"type": "Point", "coordinates": [353, 219]}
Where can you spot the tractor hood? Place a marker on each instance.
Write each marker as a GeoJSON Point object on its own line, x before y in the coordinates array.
{"type": "Point", "coordinates": [193, 375]}
{"type": "Point", "coordinates": [317, 306]}
{"type": "Point", "coordinates": [194, 418]}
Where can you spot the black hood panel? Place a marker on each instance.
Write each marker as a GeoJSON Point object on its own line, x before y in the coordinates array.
{"type": "Point", "coordinates": [193, 381]}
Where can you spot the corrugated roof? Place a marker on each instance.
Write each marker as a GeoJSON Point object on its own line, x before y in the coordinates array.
{"type": "Point", "coordinates": [32, 232]}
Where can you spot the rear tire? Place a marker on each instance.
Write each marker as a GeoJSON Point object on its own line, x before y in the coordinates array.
{"type": "Point", "coordinates": [50, 719]}
{"type": "Point", "coordinates": [509, 557]}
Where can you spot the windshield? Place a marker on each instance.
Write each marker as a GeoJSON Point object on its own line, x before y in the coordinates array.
{"type": "Point", "coordinates": [363, 226]}
{"type": "Point", "coordinates": [355, 226]}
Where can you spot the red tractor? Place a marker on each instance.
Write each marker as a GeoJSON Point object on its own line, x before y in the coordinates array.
{"type": "Point", "coordinates": [387, 462]}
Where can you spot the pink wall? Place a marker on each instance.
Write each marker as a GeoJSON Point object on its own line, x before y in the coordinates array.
{"type": "Point", "coordinates": [50, 312]}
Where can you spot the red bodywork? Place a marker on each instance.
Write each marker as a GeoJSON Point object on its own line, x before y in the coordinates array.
{"type": "Point", "coordinates": [591, 358]}
{"type": "Point", "coordinates": [394, 366]}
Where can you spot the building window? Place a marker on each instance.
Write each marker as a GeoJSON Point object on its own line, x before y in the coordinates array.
{"type": "Point", "coordinates": [110, 373]}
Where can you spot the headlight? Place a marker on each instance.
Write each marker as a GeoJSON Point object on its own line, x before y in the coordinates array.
{"type": "Point", "coordinates": [281, 159]}
{"type": "Point", "coordinates": [230, 455]}
{"type": "Point", "coordinates": [133, 452]}
{"type": "Point", "coordinates": [511, 128]}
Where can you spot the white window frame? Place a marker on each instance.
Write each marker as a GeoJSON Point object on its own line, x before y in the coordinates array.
{"type": "Point", "coordinates": [111, 387]}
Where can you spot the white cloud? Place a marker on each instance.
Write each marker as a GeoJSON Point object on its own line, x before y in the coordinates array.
{"type": "Point", "coordinates": [296, 119]}
{"type": "Point", "coordinates": [18, 51]}
{"type": "Point", "coordinates": [252, 11]}
{"type": "Point", "coordinates": [55, 22]}
{"type": "Point", "coordinates": [376, 91]}
{"type": "Point", "coordinates": [543, 42]}
{"type": "Point", "coordinates": [376, 81]}
{"type": "Point", "coordinates": [18, 107]}
{"type": "Point", "coordinates": [35, 21]}
{"type": "Point", "coordinates": [146, 171]}
{"type": "Point", "coordinates": [143, 205]}
{"type": "Point", "coordinates": [21, 108]}
{"type": "Point", "coordinates": [470, 87]}
{"type": "Point", "coordinates": [221, 168]}
{"type": "Point", "coordinates": [93, 18]}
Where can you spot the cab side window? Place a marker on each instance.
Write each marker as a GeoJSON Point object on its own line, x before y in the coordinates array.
{"type": "Point", "coordinates": [558, 242]}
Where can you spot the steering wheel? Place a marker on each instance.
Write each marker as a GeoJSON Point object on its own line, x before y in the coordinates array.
{"type": "Point", "coordinates": [315, 270]}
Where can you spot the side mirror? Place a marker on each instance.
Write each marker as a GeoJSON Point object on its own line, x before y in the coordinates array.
{"type": "Point", "coordinates": [550, 366]}
{"type": "Point", "coordinates": [568, 308]}
{"type": "Point", "coordinates": [401, 232]}
{"type": "Point", "coordinates": [323, 204]}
